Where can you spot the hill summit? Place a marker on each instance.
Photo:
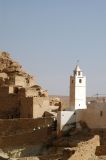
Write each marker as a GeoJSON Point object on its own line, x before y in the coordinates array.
{"type": "Point", "coordinates": [11, 70]}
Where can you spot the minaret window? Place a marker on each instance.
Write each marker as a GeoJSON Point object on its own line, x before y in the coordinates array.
{"type": "Point", "coordinates": [79, 73]}
{"type": "Point", "coordinates": [80, 80]}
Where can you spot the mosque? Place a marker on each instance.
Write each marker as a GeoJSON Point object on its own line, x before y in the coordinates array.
{"type": "Point", "coordinates": [93, 113]}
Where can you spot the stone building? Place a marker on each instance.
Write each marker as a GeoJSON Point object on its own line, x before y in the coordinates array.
{"type": "Point", "coordinates": [20, 96]}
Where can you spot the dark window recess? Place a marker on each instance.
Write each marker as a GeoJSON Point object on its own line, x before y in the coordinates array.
{"type": "Point", "coordinates": [72, 81]}
{"type": "Point", "coordinates": [101, 113]}
{"type": "Point", "coordinates": [27, 80]}
{"type": "Point", "coordinates": [79, 73]}
{"type": "Point", "coordinates": [80, 80]}
{"type": "Point", "coordinates": [16, 90]}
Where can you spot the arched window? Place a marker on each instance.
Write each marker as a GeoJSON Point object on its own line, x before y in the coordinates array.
{"type": "Point", "coordinates": [80, 80]}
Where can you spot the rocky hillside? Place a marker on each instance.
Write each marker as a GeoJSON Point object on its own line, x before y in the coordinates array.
{"type": "Point", "coordinates": [9, 66]}
{"type": "Point", "coordinates": [12, 73]}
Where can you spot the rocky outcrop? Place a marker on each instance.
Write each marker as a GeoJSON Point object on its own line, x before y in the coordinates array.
{"type": "Point", "coordinates": [12, 73]}
{"type": "Point", "coordinates": [10, 70]}
{"type": "Point", "coordinates": [55, 101]}
{"type": "Point", "coordinates": [8, 66]}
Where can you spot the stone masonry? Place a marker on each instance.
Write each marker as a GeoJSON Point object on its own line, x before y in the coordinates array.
{"type": "Point", "coordinates": [20, 96]}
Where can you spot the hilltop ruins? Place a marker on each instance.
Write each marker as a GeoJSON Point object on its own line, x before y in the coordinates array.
{"type": "Point", "coordinates": [20, 95]}
{"type": "Point", "coordinates": [26, 111]}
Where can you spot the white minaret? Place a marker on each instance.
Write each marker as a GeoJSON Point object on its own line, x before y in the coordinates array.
{"type": "Point", "coordinates": [77, 90]}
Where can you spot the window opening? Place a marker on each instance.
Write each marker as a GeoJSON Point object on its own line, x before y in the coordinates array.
{"type": "Point", "coordinates": [79, 73]}
{"type": "Point", "coordinates": [80, 80]}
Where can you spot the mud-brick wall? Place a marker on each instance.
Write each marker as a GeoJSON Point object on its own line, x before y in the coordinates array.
{"type": "Point", "coordinates": [31, 92]}
{"type": "Point", "coordinates": [14, 126]}
{"type": "Point", "coordinates": [9, 106]}
{"type": "Point", "coordinates": [94, 116]}
{"type": "Point", "coordinates": [20, 81]}
{"type": "Point", "coordinates": [34, 107]}
{"type": "Point", "coordinates": [17, 132]}
{"type": "Point", "coordinates": [25, 138]}
{"type": "Point", "coordinates": [26, 109]}
{"type": "Point", "coordinates": [40, 105]}
{"type": "Point", "coordinates": [8, 103]}
{"type": "Point", "coordinates": [4, 91]}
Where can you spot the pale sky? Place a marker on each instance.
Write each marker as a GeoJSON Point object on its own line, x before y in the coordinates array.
{"type": "Point", "coordinates": [48, 36]}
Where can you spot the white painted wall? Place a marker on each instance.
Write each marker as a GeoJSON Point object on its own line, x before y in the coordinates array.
{"type": "Point", "coordinates": [80, 93]}
{"type": "Point", "coordinates": [64, 119]}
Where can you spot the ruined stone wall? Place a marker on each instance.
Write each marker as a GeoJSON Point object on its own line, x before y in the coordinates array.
{"type": "Point", "coordinates": [26, 108]}
{"type": "Point", "coordinates": [94, 115]}
{"type": "Point", "coordinates": [3, 75]}
{"type": "Point", "coordinates": [20, 96]}
{"type": "Point", "coordinates": [15, 103]}
{"type": "Point", "coordinates": [34, 107]}
{"type": "Point", "coordinates": [9, 103]}
{"type": "Point", "coordinates": [40, 105]}
{"type": "Point", "coordinates": [32, 81]}
{"type": "Point", "coordinates": [20, 81]}
{"type": "Point", "coordinates": [30, 92]}
{"type": "Point", "coordinates": [25, 139]}
{"type": "Point", "coordinates": [21, 92]}
{"type": "Point", "coordinates": [17, 132]}
{"type": "Point", "coordinates": [12, 126]}
{"type": "Point", "coordinates": [4, 91]}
